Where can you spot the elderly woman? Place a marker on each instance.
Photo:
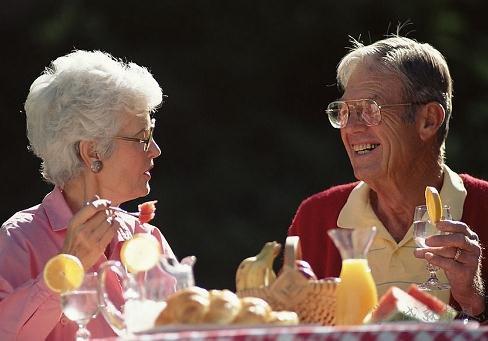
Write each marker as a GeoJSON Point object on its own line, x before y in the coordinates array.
{"type": "Point", "coordinates": [393, 118]}
{"type": "Point", "coordinates": [89, 120]}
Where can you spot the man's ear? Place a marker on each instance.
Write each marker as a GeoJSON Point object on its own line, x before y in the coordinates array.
{"type": "Point", "coordinates": [87, 152]}
{"type": "Point", "coordinates": [430, 118]}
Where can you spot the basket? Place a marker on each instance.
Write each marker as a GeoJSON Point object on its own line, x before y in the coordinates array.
{"type": "Point", "coordinates": [314, 301]}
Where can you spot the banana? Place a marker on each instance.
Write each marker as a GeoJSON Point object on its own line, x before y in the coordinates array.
{"type": "Point", "coordinates": [257, 271]}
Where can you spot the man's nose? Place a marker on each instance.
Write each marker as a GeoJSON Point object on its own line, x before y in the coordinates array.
{"type": "Point", "coordinates": [355, 118]}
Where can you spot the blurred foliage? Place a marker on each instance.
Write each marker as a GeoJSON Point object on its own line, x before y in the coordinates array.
{"type": "Point", "coordinates": [243, 135]}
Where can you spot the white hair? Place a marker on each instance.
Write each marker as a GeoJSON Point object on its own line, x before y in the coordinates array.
{"type": "Point", "coordinates": [84, 95]}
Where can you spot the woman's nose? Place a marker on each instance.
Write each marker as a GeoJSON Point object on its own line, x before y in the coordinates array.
{"type": "Point", "coordinates": [154, 151]}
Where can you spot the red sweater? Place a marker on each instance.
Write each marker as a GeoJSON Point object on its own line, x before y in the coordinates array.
{"type": "Point", "coordinates": [319, 213]}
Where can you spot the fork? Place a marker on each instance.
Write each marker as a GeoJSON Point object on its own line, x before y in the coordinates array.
{"type": "Point", "coordinates": [118, 209]}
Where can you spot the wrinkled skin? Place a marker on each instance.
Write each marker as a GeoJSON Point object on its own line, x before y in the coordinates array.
{"type": "Point", "coordinates": [464, 273]}
{"type": "Point", "coordinates": [125, 176]}
{"type": "Point", "coordinates": [403, 161]}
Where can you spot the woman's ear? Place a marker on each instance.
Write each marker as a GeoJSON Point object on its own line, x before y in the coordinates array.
{"type": "Point", "coordinates": [87, 152]}
{"type": "Point", "coordinates": [430, 118]}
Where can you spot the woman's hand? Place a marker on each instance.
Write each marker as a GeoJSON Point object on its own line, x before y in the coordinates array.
{"type": "Point", "coordinates": [458, 253]}
{"type": "Point", "coordinates": [90, 231]}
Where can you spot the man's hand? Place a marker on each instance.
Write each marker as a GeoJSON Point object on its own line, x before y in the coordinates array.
{"type": "Point", "coordinates": [458, 253]}
{"type": "Point", "coordinates": [90, 231]}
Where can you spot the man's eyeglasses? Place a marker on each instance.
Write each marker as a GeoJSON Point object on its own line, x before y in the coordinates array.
{"type": "Point", "coordinates": [147, 141]}
{"type": "Point", "coordinates": [366, 110]}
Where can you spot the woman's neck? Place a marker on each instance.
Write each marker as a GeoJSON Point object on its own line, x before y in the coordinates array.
{"type": "Point", "coordinates": [78, 191]}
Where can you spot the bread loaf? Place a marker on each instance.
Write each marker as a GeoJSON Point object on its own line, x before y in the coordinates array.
{"type": "Point", "coordinates": [224, 306]}
{"type": "Point", "coordinates": [187, 306]}
{"type": "Point", "coordinates": [198, 306]}
{"type": "Point", "coordinates": [285, 318]}
{"type": "Point", "coordinates": [253, 311]}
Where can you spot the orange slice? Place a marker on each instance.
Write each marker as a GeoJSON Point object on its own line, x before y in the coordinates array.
{"type": "Point", "coordinates": [140, 253]}
{"type": "Point", "coordinates": [63, 273]}
{"type": "Point", "coordinates": [433, 203]}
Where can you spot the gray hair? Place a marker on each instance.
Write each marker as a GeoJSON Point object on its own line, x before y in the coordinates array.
{"type": "Point", "coordinates": [421, 68]}
{"type": "Point", "coordinates": [84, 95]}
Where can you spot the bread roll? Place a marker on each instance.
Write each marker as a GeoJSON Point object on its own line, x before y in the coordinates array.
{"type": "Point", "coordinates": [253, 310]}
{"type": "Point", "coordinates": [164, 317]}
{"type": "Point", "coordinates": [187, 306]}
{"type": "Point", "coordinates": [224, 306]}
{"type": "Point", "coordinates": [285, 318]}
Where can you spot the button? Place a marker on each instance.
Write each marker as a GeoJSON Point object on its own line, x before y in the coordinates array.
{"type": "Point", "coordinates": [64, 320]}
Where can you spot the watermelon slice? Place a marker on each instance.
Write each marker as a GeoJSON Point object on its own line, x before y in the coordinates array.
{"type": "Point", "coordinates": [397, 305]}
{"type": "Point", "coordinates": [445, 311]}
{"type": "Point", "coordinates": [146, 211]}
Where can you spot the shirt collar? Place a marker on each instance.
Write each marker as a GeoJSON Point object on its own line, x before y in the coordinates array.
{"type": "Point", "coordinates": [57, 209]}
{"type": "Point", "coordinates": [358, 213]}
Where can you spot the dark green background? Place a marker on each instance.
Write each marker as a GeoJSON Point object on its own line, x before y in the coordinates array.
{"type": "Point", "coordinates": [243, 134]}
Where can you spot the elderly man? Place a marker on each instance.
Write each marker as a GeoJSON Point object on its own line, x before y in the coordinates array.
{"type": "Point", "coordinates": [393, 118]}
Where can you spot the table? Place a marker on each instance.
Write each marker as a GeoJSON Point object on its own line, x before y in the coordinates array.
{"type": "Point", "coordinates": [456, 331]}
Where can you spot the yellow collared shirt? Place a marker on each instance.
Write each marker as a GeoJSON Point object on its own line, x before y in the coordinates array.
{"type": "Point", "coordinates": [393, 263]}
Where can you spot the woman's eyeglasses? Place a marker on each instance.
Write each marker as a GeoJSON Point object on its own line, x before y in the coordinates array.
{"type": "Point", "coordinates": [146, 141]}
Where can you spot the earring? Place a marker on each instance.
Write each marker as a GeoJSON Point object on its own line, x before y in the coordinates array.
{"type": "Point", "coordinates": [96, 166]}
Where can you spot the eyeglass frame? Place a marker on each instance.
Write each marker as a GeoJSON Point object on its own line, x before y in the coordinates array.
{"type": "Point", "coordinates": [338, 126]}
{"type": "Point", "coordinates": [147, 141]}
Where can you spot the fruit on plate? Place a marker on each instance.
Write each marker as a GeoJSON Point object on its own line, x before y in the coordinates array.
{"type": "Point", "coordinates": [433, 203]}
{"type": "Point", "coordinates": [146, 211]}
{"type": "Point", "coordinates": [445, 311]}
{"type": "Point", "coordinates": [257, 271]}
{"type": "Point", "coordinates": [140, 253]}
{"type": "Point", "coordinates": [63, 273]}
{"type": "Point", "coordinates": [397, 305]}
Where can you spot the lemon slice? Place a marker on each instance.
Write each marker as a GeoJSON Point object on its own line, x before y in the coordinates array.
{"type": "Point", "coordinates": [63, 273]}
{"type": "Point", "coordinates": [140, 253]}
{"type": "Point", "coordinates": [433, 203]}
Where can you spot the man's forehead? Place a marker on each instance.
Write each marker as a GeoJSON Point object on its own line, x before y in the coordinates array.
{"type": "Point", "coordinates": [366, 82]}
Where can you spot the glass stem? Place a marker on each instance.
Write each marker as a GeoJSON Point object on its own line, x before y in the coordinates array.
{"type": "Point", "coordinates": [83, 334]}
{"type": "Point", "coordinates": [432, 271]}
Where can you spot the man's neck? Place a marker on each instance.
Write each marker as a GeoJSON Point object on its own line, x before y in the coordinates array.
{"type": "Point", "coordinates": [394, 200]}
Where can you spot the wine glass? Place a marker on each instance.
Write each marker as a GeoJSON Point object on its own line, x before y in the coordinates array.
{"type": "Point", "coordinates": [423, 228]}
{"type": "Point", "coordinates": [81, 305]}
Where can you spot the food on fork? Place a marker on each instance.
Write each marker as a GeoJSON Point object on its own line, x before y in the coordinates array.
{"type": "Point", "coordinates": [63, 273]}
{"type": "Point", "coordinates": [146, 211]}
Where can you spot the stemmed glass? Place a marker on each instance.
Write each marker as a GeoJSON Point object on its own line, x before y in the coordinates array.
{"type": "Point", "coordinates": [81, 305]}
{"type": "Point", "coordinates": [423, 228]}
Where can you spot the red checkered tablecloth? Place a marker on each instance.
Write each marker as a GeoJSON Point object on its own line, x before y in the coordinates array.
{"type": "Point", "coordinates": [455, 331]}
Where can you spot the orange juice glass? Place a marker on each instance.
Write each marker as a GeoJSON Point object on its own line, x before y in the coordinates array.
{"type": "Point", "coordinates": [356, 293]}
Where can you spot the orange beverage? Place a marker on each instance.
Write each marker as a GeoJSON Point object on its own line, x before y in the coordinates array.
{"type": "Point", "coordinates": [356, 293]}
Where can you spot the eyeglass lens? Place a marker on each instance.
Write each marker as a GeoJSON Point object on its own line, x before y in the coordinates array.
{"type": "Point", "coordinates": [149, 139]}
{"type": "Point", "coordinates": [366, 111]}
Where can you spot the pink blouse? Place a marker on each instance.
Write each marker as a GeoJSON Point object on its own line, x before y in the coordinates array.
{"type": "Point", "coordinates": [28, 309]}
